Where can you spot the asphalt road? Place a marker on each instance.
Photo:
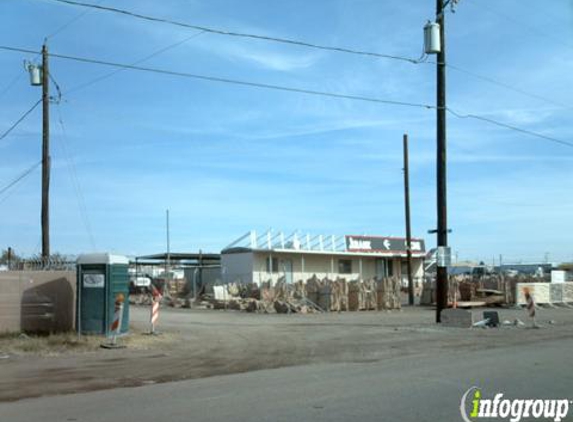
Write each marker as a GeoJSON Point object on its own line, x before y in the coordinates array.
{"type": "Point", "coordinates": [400, 389]}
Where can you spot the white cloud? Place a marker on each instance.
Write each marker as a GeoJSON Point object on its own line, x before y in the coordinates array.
{"type": "Point", "coordinates": [277, 61]}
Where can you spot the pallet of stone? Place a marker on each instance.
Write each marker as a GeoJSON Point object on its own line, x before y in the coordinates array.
{"type": "Point", "coordinates": [370, 294]}
{"type": "Point", "coordinates": [299, 290]}
{"type": "Point", "coordinates": [354, 295]}
{"type": "Point", "coordinates": [339, 295]}
{"type": "Point", "coordinates": [254, 306]}
{"type": "Point", "coordinates": [467, 290]}
{"type": "Point", "coordinates": [282, 307]}
{"type": "Point", "coordinates": [293, 307]}
{"type": "Point", "coordinates": [382, 294]}
{"type": "Point", "coordinates": [396, 296]}
{"type": "Point", "coordinates": [325, 295]}
{"type": "Point", "coordinates": [268, 294]}
{"type": "Point", "coordinates": [312, 289]}
{"type": "Point", "coordinates": [311, 305]}
{"type": "Point", "coordinates": [250, 290]}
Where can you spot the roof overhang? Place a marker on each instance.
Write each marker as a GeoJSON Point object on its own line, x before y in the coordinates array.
{"type": "Point", "coordinates": [363, 254]}
{"type": "Point", "coordinates": [181, 257]}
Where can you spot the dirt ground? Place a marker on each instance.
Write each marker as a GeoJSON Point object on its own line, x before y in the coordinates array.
{"type": "Point", "coordinates": [205, 343]}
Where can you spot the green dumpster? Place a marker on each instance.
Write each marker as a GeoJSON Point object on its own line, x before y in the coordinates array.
{"type": "Point", "coordinates": [101, 279]}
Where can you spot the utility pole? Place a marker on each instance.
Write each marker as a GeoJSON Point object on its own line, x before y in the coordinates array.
{"type": "Point", "coordinates": [45, 156]}
{"type": "Point", "coordinates": [200, 272]}
{"type": "Point", "coordinates": [167, 286]}
{"type": "Point", "coordinates": [408, 230]}
{"type": "Point", "coordinates": [442, 234]}
{"type": "Point", "coordinates": [9, 258]}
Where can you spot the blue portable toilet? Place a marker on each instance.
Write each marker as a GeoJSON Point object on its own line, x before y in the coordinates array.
{"type": "Point", "coordinates": [101, 278]}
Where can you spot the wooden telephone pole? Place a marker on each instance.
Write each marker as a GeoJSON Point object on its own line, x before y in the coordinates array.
{"type": "Point", "coordinates": [442, 206]}
{"type": "Point", "coordinates": [45, 156]}
{"type": "Point", "coordinates": [408, 229]}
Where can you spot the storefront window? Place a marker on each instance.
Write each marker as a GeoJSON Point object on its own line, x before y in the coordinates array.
{"type": "Point", "coordinates": [344, 266]}
{"type": "Point", "coordinates": [272, 265]}
{"type": "Point", "coordinates": [390, 266]}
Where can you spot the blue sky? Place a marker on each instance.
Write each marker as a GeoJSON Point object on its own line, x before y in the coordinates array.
{"type": "Point", "coordinates": [226, 159]}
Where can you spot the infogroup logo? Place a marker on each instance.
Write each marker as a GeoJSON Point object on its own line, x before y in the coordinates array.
{"type": "Point", "coordinates": [474, 406]}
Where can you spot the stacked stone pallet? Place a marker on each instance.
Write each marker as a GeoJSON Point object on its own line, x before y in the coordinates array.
{"type": "Point", "coordinates": [315, 295]}
{"type": "Point", "coordinates": [454, 295]}
{"type": "Point", "coordinates": [467, 291]}
{"type": "Point", "coordinates": [339, 295]}
{"type": "Point", "coordinates": [312, 289]}
{"type": "Point", "coordinates": [383, 294]}
{"type": "Point", "coordinates": [370, 295]}
{"type": "Point", "coordinates": [355, 296]}
{"type": "Point", "coordinates": [299, 290]}
{"type": "Point", "coordinates": [325, 299]}
{"type": "Point", "coordinates": [388, 294]}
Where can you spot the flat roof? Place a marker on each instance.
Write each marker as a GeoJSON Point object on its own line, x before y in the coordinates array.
{"type": "Point", "coordinates": [180, 256]}
{"type": "Point", "coordinates": [389, 254]}
{"type": "Point", "coordinates": [299, 243]}
{"type": "Point", "coordinates": [102, 258]}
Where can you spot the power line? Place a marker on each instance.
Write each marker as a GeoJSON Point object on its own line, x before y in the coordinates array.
{"type": "Point", "coordinates": [239, 34]}
{"type": "Point", "coordinates": [144, 59]}
{"type": "Point", "coordinates": [19, 76]}
{"type": "Point", "coordinates": [508, 87]}
{"type": "Point", "coordinates": [304, 44]}
{"type": "Point", "coordinates": [73, 20]}
{"type": "Point", "coordinates": [312, 92]}
{"type": "Point", "coordinates": [511, 127]}
{"type": "Point", "coordinates": [11, 128]}
{"type": "Point", "coordinates": [75, 181]}
{"type": "Point", "coordinates": [307, 44]}
{"type": "Point", "coordinates": [228, 80]}
{"type": "Point", "coordinates": [11, 84]}
{"type": "Point", "coordinates": [294, 90]}
{"type": "Point", "coordinates": [20, 177]}
{"type": "Point", "coordinates": [15, 80]}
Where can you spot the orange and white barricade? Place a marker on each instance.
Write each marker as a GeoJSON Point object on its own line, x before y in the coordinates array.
{"type": "Point", "coordinates": [115, 328]}
{"type": "Point", "coordinates": [154, 309]}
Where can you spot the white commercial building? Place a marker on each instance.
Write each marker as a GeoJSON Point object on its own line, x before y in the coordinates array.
{"type": "Point", "coordinates": [257, 258]}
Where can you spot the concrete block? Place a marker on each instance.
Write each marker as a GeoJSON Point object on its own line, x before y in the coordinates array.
{"type": "Point", "coordinates": [568, 292]}
{"type": "Point", "coordinates": [556, 294]}
{"type": "Point", "coordinates": [457, 318]}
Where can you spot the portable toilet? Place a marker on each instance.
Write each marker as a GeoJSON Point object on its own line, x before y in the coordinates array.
{"type": "Point", "coordinates": [101, 279]}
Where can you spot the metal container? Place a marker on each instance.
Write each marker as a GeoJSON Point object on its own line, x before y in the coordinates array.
{"type": "Point", "coordinates": [432, 41]}
{"type": "Point", "coordinates": [35, 74]}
